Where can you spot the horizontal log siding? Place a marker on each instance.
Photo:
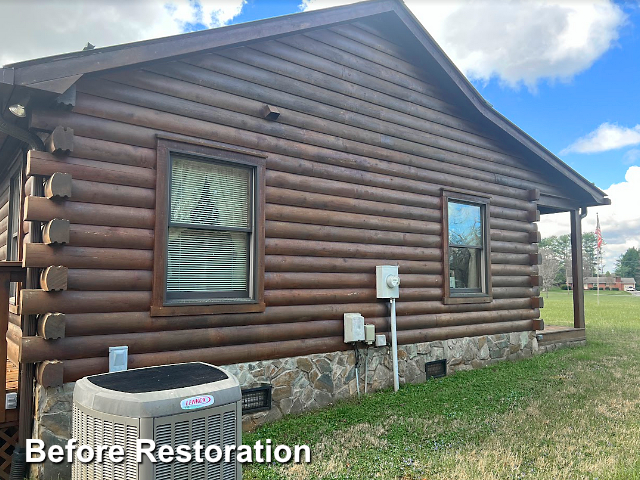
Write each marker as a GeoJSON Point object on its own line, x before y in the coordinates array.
{"type": "Point", "coordinates": [355, 167]}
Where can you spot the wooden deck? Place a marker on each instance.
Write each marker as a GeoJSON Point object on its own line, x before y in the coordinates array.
{"type": "Point", "coordinates": [11, 415]}
{"type": "Point", "coordinates": [557, 334]}
{"type": "Point", "coordinates": [12, 377]}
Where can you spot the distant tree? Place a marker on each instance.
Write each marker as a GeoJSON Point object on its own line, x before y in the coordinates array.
{"type": "Point", "coordinates": [561, 248]}
{"type": "Point", "coordinates": [628, 264]}
{"type": "Point", "coordinates": [589, 254]}
{"type": "Point", "coordinates": [548, 269]}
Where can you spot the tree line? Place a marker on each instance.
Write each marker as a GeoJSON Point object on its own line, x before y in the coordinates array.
{"type": "Point", "coordinates": [556, 260]}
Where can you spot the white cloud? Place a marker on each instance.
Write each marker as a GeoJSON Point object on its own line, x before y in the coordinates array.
{"type": "Point", "coordinates": [517, 41]}
{"type": "Point", "coordinates": [619, 222]}
{"type": "Point", "coordinates": [607, 136]}
{"type": "Point", "coordinates": [66, 26]}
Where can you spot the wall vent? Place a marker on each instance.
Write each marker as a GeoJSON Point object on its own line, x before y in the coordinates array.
{"type": "Point", "coordinates": [257, 399]}
{"type": "Point", "coordinates": [436, 369]}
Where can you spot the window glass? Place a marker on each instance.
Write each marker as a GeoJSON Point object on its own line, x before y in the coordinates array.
{"type": "Point", "coordinates": [209, 194]}
{"type": "Point", "coordinates": [210, 231]}
{"type": "Point", "coordinates": [465, 268]}
{"type": "Point", "coordinates": [466, 253]}
{"type": "Point", "coordinates": [465, 224]}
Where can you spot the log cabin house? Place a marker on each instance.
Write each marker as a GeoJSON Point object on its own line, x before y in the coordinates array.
{"type": "Point", "coordinates": [226, 195]}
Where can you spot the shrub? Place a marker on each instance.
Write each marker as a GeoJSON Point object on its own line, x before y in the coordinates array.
{"type": "Point", "coordinates": [615, 288]}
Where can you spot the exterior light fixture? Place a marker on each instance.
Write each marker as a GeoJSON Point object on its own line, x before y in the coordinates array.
{"type": "Point", "coordinates": [18, 110]}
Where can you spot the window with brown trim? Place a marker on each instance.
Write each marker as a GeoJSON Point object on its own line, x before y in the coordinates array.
{"type": "Point", "coordinates": [209, 245]}
{"type": "Point", "coordinates": [466, 248]}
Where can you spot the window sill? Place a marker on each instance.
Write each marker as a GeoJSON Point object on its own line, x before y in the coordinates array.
{"type": "Point", "coordinates": [457, 300]}
{"type": "Point", "coordinates": [176, 310]}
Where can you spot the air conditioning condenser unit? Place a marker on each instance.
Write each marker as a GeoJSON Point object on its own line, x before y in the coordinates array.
{"type": "Point", "coordinates": [171, 405]}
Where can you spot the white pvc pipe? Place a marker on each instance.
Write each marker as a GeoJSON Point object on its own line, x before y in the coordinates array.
{"type": "Point", "coordinates": [394, 346]}
{"type": "Point", "coordinates": [357, 377]}
{"type": "Point", "coordinates": [366, 371]}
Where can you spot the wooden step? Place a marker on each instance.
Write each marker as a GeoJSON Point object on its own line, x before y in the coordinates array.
{"type": "Point", "coordinates": [552, 335]}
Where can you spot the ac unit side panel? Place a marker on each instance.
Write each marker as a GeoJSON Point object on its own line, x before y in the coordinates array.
{"type": "Point", "coordinates": [94, 428]}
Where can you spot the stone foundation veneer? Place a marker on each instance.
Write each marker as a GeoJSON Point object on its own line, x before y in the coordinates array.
{"type": "Point", "coordinates": [309, 382]}
{"type": "Point", "coordinates": [314, 381]}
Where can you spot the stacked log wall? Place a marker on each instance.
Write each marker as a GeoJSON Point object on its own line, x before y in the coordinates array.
{"type": "Point", "coordinates": [356, 162]}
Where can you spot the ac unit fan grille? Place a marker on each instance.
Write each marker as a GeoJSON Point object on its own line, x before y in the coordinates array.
{"type": "Point", "coordinates": [218, 429]}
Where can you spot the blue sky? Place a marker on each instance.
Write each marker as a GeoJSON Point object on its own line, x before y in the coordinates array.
{"type": "Point", "coordinates": [567, 72]}
{"type": "Point", "coordinates": [558, 113]}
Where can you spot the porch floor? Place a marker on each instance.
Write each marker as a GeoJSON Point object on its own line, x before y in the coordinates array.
{"type": "Point", "coordinates": [558, 334]}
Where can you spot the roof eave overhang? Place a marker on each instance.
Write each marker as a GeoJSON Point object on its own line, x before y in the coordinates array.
{"type": "Point", "coordinates": [59, 72]}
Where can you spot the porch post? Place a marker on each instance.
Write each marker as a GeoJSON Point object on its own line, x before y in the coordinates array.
{"type": "Point", "coordinates": [576, 268]}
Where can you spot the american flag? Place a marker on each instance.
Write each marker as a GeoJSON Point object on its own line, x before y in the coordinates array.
{"type": "Point", "coordinates": [598, 233]}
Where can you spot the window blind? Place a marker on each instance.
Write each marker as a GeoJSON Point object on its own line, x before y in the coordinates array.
{"type": "Point", "coordinates": [210, 194]}
{"type": "Point", "coordinates": [210, 228]}
{"type": "Point", "coordinates": [207, 261]}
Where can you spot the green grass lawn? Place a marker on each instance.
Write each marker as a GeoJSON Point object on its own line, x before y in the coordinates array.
{"type": "Point", "coordinates": [573, 413]}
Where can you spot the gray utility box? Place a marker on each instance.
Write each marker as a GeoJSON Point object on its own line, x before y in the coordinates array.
{"type": "Point", "coordinates": [171, 405]}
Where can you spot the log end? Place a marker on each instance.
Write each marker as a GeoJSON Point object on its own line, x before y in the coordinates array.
{"type": "Point", "coordinates": [50, 373]}
{"type": "Point", "coordinates": [534, 237]}
{"type": "Point", "coordinates": [60, 142]}
{"type": "Point", "coordinates": [535, 258]}
{"type": "Point", "coordinates": [534, 194]}
{"type": "Point", "coordinates": [534, 216]}
{"type": "Point", "coordinates": [54, 278]}
{"type": "Point", "coordinates": [56, 231]}
{"type": "Point", "coordinates": [52, 326]}
{"type": "Point", "coordinates": [58, 186]}
{"type": "Point", "coordinates": [537, 302]}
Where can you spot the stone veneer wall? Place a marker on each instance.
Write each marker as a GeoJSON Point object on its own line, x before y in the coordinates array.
{"type": "Point", "coordinates": [306, 383]}
{"type": "Point", "coordinates": [52, 425]}
{"type": "Point", "coordinates": [313, 381]}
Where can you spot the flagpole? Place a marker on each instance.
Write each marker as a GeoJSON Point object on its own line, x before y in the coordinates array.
{"type": "Point", "coordinates": [598, 280]}
{"type": "Point", "coordinates": [599, 256]}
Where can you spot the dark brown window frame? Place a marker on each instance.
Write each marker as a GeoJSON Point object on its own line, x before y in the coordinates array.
{"type": "Point", "coordinates": [204, 149]}
{"type": "Point", "coordinates": [451, 297]}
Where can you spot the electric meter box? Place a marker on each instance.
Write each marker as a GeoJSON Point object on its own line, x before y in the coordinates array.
{"type": "Point", "coordinates": [387, 281]}
{"type": "Point", "coordinates": [353, 328]}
